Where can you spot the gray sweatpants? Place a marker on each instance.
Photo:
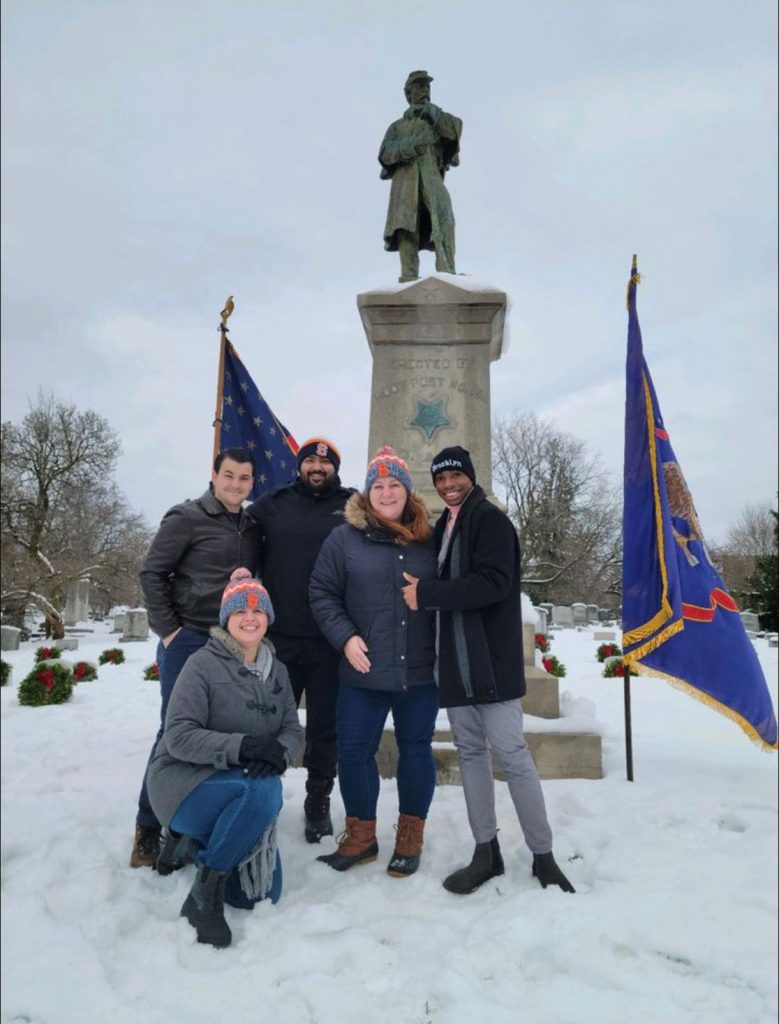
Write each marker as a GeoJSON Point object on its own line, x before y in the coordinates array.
{"type": "Point", "coordinates": [488, 730]}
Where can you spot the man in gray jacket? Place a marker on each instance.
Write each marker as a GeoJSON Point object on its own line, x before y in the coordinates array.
{"type": "Point", "coordinates": [197, 546]}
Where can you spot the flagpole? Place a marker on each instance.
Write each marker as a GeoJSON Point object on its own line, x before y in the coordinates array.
{"type": "Point", "coordinates": [223, 329]}
{"type": "Point", "coordinates": [628, 723]}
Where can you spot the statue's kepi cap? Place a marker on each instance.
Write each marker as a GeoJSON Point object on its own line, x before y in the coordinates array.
{"type": "Point", "coordinates": [416, 76]}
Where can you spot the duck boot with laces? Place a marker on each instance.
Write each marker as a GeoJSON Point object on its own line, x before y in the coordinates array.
{"type": "Point", "coordinates": [317, 809]}
{"type": "Point", "coordinates": [204, 908]}
{"type": "Point", "coordinates": [146, 846]}
{"type": "Point", "coordinates": [408, 846]}
{"type": "Point", "coordinates": [356, 845]}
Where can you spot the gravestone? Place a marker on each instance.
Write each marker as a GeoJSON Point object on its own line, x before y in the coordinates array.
{"type": "Point", "coordinates": [607, 635]}
{"type": "Point", "coordinates": [562, 615]}
{"type": "Point", "coordinates": [136, 626]}
{"type": "Point", "coordinates": [76, 602]}
{"type": "Point", "coordinates": [751, 621]}
{"type": "Point", "coordinates": [773, 640]}
{"type": "Point", "coordinates": [9, 638]}
{"type": "Point", "coordinates": [579, 612]}
{"type": "Point", "coordinates": [432, 343]}
{"type": "Point", "coordinates": [548, 608]}
{"type": "Point", "coordinates": [66, 643]}
{"type": "Point", "coordinates": [120, 620]}
{"type": "Point", "coordinates": [592, 613]}
{"type": "Point", "coordinates": [542, 619]}
{"type": "Point", "coordinates": [604, 615]}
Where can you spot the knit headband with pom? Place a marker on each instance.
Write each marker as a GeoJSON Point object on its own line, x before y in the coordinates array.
{"type": "Point", "coordinates": [243, 591]}
{"type": "Point", "coordinates": [386, 463]}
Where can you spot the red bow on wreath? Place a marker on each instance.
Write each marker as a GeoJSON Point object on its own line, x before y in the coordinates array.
{"type": "Point", "coordinates": [47, 678]}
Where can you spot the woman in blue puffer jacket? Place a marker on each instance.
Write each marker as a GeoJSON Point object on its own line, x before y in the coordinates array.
{"type": "Point", "coordinates": [388, 658]}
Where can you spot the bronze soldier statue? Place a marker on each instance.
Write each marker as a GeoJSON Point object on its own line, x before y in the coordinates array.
{"type": "Point", "coordinates": [416, 153]}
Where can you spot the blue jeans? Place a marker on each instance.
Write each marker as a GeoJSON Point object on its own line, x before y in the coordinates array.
{"type": "Point", "coordinates": [229, 813]}
{"type": "Point", "coordinates": [171, 660]}
{"type": "Point", "coordinates": [361, 715]}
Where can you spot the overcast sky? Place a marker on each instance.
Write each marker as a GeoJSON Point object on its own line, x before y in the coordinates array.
{"type": "Point", "coordinates": [160, 156]}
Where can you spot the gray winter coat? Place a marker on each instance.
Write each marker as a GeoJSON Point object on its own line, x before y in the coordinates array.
{"type": "Point", "coordinates": [190, 560]}
{"type": "Point", "coordinates": [356, 590]}
{"type": "Point", "coordinates": [215, 702]}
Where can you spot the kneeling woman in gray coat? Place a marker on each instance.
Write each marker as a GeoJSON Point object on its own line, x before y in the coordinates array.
{"type": "Point", "coordinates": [231, 730]}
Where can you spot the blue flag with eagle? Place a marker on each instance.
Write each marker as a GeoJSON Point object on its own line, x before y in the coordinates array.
{"type": "Point", "coordinates": [248, 422]}
{"type": "Point", "coordinates": [678, 620]}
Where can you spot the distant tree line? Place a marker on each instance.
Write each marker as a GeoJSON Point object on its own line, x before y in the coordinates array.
{"type": "Point", "coordinates": [62, 517]}
{"type": "Point", "coordinates": [568, 515]}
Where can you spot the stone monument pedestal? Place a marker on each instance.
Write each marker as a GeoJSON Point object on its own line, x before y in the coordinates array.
{"type": "Point", "coordinates": [432, 344]}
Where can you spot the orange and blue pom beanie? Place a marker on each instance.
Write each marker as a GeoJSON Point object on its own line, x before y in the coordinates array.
{"type": "Point", "coordinates": [323, 448]}
{"type": "Point", "coordinates": [386, 463]}
{"type": "Point", "coordinates": [243, 591]}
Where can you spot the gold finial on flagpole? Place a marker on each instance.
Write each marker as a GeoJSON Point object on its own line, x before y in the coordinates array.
{"type": "Point", "coordinates": [226, 313]}
{"type": "Point", "coordinates": [635, 278]}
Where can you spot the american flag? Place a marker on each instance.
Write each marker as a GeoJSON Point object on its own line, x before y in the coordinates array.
{"type": "Point", "coordinates": [248, 422]}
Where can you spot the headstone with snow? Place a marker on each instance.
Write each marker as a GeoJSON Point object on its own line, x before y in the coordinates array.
{"type": "Point", "coordinates": [548, 608]}
{"type": "Point", "coordinates": [136, 626]}
{"type": "Point", "coordinates": [608, 635]}
{"type": "Point", "coordinates": [76, 602]}
{"type": "Point", "coordinates": [67, 643]}
{"type": "Point", "coordinates": [751, 621]}
{"type": "Point", "coordinates": [9, 638]}
{"type": "Point", "coordinates": [119, 622]}
{"type": "Point", "coordinates": [579, 612]}
{"type": "Point", "coordinates": [562, 615]}
{"type": "Point", "coordinates": [605, 615]}
{"type": "Point", "coordinates": [542, 620]}
{"type": "Point", "coordinates": [592, 613]}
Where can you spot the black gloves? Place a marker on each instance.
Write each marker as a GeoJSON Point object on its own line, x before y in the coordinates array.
{"type": "Point", "coordinates": [547, 872]}
{"type": "Point", "coordinates": [261, 756]}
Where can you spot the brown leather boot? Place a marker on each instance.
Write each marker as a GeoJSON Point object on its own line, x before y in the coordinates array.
{"type": "Point", "coordinates": [146, 847]}
{"type": "Point", "coordinates": [356, 845]}
{"type": "Point", "coordinates": [408, 846]}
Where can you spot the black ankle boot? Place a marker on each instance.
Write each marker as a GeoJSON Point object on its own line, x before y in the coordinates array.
{"type": "Point", "coordinates": [204, 908]}
{"type": "Point", "coordinates": [176, 851]}
{"type": "Point", "coordinates": [317, 809]}
{"type": "Point", "coordinates": [485, 864]}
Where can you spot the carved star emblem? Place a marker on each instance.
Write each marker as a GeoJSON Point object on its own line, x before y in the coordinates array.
{"type": "Point", "coordinates": [430, 417]}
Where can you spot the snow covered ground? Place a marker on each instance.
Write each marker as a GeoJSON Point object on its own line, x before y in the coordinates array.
{"type": "Point", "coordinates": [674, 919]}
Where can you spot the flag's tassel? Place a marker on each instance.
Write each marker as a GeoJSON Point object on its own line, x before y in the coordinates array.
{"type": "Point", "coordinates": [654, 643]}
{"type": "Point", "coordinates": [710, 702]}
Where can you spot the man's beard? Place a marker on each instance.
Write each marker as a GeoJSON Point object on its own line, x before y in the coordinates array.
{"type": "Point", "coordinates": [321, 486]}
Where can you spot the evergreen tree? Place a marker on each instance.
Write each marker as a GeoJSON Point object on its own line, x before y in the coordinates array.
{"type": "Point", "coordinates": [765, 583]}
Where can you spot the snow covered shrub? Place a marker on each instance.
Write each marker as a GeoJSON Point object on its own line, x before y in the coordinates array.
{"type": "Point", "coordinates": [112, 656]}
{"type": "Point", "coordinates": [152, 671]}
{"type": "Point", "coordinates": [608, 651]}
{"type": "Point", "coordinates": [47, 654]}
{"type": "Point", "coordinates": [542, 643]}
{"type": "Point", "coordinates": [52, 685]}
{"type": "Point", "coordinates": [84, 672]}
{"type": "Point", "coordinates": [5, 672]}
{"type": "Point", "coordinates": [553, 666]}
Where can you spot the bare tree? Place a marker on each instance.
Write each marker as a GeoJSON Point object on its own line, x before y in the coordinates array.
{"type": "Point", "coordinates": [61, 518]}
{"type": "Point", "coordinates": [566, 510]}
{"type": "Point", "coordinates": [753, 531]}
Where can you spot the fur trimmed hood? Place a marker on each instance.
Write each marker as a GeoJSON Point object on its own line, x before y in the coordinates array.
{"type": "Point", "coordinates": [355, 512]}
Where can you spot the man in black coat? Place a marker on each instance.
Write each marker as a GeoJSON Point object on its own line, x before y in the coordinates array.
{"type": "Point", "coordinates": [480, 668]}
{"type": "Point", "coordinates": [294, 521]}
{"type": "Point", "coordinates": [196, 547]}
